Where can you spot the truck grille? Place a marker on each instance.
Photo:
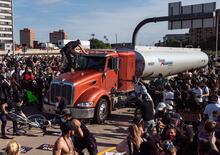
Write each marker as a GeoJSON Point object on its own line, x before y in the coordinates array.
{"type": "Point", "coordinates": [64, 89]}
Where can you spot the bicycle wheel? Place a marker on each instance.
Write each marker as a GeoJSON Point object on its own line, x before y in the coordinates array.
{"type": "Point", "coordinates": [55, 123]}
{"type": "Point", "coordinates": [15, 117]}
{"type": "Point", "coordinates": [37, 120]}
{"type": "Point", "coordinates": [20, 130]}
{"type": "Point", "coordinates": [35, 124]}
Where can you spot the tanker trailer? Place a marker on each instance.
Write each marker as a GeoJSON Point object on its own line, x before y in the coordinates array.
{"type": "Point", "coordinates": [151, 61]}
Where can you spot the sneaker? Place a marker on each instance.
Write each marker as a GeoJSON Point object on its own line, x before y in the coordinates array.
{"type": "Point", "coordinates": [6, 137]}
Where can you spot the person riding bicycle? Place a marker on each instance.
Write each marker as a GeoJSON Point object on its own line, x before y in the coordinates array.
{"type": "Point", "coordinates": [67, 52]}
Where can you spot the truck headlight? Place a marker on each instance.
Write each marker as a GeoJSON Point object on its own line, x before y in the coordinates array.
{"type": "Point", "coordinates": [85, 104]}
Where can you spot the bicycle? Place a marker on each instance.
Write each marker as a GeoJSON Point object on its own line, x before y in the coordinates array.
{"type": "Point", "coordinates": [27, 124]}
{"type": "Point", "coordinates": [32, 123]}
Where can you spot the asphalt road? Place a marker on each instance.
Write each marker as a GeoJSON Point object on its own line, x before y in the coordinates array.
{"type": "Point", "coordinates": [107, 135]}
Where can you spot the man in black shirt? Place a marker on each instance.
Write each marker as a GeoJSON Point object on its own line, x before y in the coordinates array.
{"type": "Point", "coordinates": [70, 50]}
{"type": "Point", "coordinates": [84, 138]}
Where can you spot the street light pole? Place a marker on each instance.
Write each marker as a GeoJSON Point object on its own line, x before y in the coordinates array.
{"type": "Point", "coordinates": [13, 38]}
{"type": "Point", "coordinates": [217, 29]}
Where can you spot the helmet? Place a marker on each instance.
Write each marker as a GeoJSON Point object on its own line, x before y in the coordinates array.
{"type": "Point", "coordinates": [161, 106]}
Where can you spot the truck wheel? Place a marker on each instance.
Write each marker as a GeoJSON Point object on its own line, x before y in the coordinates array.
{"type": "Point", "coordinates": [101, 111]}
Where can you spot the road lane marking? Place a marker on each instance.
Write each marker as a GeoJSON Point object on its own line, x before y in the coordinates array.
{"type": "Point", "coordinates": [107, 150]}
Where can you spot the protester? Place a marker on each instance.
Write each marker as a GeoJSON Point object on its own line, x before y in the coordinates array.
{"type": "Point", "coordinates": [173, 129]}
{"type": "Point", "coordinates": [131, 145]}
{"type": "Point", "coordinates": [64, 144]}
{"type": "Point", "coordinates": [13, 148]}
{"type": "Point", "coordinates": [67, 52]}
{"type": "Point", "coordinates": [83, 138]}
{"type": "Point", "coordinates": [212, 109]}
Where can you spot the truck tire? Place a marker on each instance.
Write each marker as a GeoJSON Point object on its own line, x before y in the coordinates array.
{"type": "Point", "coordinates": [102, 111]}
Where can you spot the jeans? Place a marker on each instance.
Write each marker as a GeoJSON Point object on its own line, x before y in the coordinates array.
{"type": "Point", "coordinates": [4, 123]}
{"type": "Point", "coordinates": [3, 118]}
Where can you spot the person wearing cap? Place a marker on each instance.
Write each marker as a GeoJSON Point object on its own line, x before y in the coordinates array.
{"type": "Point", "coordinates": [66, 114]}
{"type": "Point", "coordinates": [63, 117]}
{"type": "Point", "coordinates": [64, 145]}
{"type": "Point", "coordinates": [67, 52]}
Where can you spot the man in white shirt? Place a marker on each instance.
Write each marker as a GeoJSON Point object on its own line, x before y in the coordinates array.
{"type": "Point", "coordinates": [168, 95]}
{"type": "Point", "coordinates": [198, 92]}
{"type": "Point", "coordinates": [212, 108]}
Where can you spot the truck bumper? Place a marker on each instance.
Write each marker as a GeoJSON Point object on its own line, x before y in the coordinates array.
{"type": "Point", "coordinates": [76, 112]}
{"type": "Point", "coordinates": [83, 113]}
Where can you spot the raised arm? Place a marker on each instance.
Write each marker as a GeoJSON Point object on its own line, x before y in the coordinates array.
{"type": "Point", "coordinates": [77, 124]}
{"type": "Point", "coordinates": [82, 50]}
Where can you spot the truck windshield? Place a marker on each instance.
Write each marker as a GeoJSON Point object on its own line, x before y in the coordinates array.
{"type": "Point", "coordinates": [91, 62]}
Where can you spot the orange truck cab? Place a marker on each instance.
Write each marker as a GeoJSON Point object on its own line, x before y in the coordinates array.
{"type": "Point", "coordinates": [99, 81]}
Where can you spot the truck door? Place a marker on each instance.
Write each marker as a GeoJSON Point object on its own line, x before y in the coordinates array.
{"type": "Point", "coordinates": [110, 76]}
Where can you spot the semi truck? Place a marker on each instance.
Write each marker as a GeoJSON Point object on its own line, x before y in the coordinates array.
{"type": "Point", "coordinates": [105, 77]}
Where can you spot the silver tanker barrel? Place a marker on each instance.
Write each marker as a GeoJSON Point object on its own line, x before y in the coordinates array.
{"type": "Point", "coordinates": [150, 61]}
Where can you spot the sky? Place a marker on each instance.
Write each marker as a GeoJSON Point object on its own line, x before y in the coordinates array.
{"type": "Point", "coordinates": [81, 18]}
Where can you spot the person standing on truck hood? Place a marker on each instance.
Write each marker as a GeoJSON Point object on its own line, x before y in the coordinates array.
{"type": "Point", "coordinates": [70, 50]}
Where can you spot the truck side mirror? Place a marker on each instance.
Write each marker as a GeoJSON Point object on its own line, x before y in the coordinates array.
{"type": "Point", "coordinates": [115, 64]}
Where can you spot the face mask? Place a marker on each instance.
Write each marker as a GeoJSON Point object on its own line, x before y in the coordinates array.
{"type": "Point", "coordinates": [171, 137]}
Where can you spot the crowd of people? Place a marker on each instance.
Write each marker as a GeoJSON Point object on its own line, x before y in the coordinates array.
{"type": "Point", "coordinates": [160, 126]}
{"type": "Point", "coordinates": [21, 75]}
{"type": "Point", "coordinates": [26, 79]}
{"type": "Point", "coordinates": [176, 116]}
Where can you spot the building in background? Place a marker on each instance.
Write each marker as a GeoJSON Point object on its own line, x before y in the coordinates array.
{"type": "Point", "coordinates": [56, 36]}
{"type": "Point", "coordinates": [27, 37]}
{"type": "Point", "coordinates": [6, 25]}
{"type": "Point", "coordinates": [36, 44]}
{"type": "Point", "coordinates": [204, 37]}
{"type": "Point", "coordinates": [181, 40]}
{"type": "Point", "coordinates": [200, 35]}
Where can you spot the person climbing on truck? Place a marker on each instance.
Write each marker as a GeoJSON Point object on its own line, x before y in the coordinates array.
{"type": "Point", "coordinates": [69, 55]}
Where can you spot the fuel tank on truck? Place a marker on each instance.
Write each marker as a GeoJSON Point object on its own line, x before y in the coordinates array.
{"type": "Point", "coordinates": [151, 61]}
